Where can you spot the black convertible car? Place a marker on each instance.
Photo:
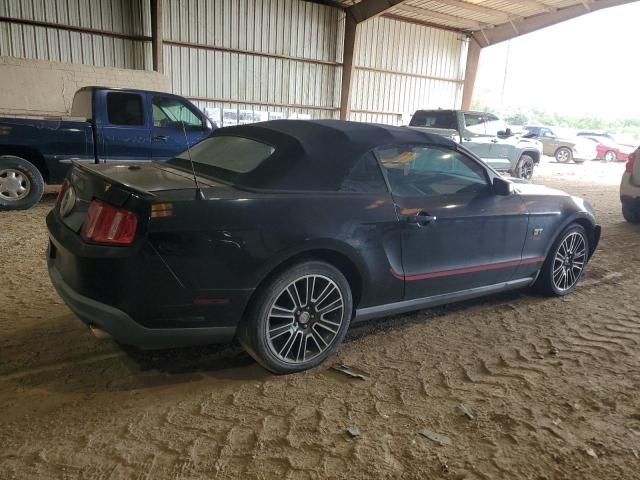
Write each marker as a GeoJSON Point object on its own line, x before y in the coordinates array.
{"type": "Point", "coordinates": [294, 230]}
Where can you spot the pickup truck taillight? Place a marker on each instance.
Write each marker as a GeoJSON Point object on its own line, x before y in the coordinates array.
{"type": "Point", "coordinates": [631, 160]}
{"type": "Point", "coordinates": [109, 225]}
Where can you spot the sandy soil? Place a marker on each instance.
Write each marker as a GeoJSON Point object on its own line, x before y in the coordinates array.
{"type": "Point", "coordinates": [551, 385]}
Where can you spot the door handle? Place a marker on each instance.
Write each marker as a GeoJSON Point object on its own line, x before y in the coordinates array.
{"type": "Point", "coordinates": [494, 140]}
{"type": "Point", "coordinates": [160, 138]}
{"type": "Point", "coordinates": [421, 219]}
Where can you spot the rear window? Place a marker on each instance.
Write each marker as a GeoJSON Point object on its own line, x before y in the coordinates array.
{"type": "Point", "coordinates": [434, 119]}
{"type": "Point", "coordinates": [234, 154]}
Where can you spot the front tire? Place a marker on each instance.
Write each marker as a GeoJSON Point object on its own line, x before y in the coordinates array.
{"type": "Point", "coordinates": [21, 184]}
{"type": "Point", "coordinates": [563, 155]}
{"type": "Point", "coordinates": [524, 168]}
{"type": "Point", "coordinates": [631, 212]}
{"type": "Point", "coordinates": [298, 320]}
{"type": "Point", "coordinates": [565, 262]}
{"type": "Point", "coordinates": [610, 156]}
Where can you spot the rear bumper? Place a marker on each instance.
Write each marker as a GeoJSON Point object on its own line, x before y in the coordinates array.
{"type": "Point", "coordinates": [126, 330]}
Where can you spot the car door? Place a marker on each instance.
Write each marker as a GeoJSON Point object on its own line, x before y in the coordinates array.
{"type": "Point", "coordinates": [502, 147]}
{"type": "Point", "coordinates": [123, 126]}
{"type": "Point", "coordinates": [549, 141]}
{"type": "Point", "coordinates": [176, 125]}
{"type": "Point", "coordinates": [456, 233]}
{"type": "Point", "coordinates": [474, 134]}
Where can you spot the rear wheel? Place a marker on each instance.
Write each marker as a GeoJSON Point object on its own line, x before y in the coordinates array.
{"type": "Point", "coordinates": [21, 184]}
{"type": "Point", "coordinates": [631, 212]}
{"type": "Point", "coordinates": [610, 156]}
{"type": "Point", "coordinates": [298, 319]}
{"type": "Point", "coordinates": [565, 262]}
{"type": "Point", "coordinates": [524, 168]}
{"type": "Point", "coordinates": [564, 155]}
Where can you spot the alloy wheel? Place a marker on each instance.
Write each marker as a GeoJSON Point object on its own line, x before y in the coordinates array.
{"type": "Point", "coordinates": [610, 156]}
{"type": "Point", "coordinates": [526, 170]}
{"type": "Point", "coordinates": [562, 156]}
{"type": "Point", "coordinates": [569, 261]}
{"type": "Point", "coordinates": [305, 319]}
{"type": "Point", "coordinates": [14, 184]}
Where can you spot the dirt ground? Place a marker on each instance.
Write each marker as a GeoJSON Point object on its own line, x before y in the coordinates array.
{"type": "Point", "coordinates": [551, 386]}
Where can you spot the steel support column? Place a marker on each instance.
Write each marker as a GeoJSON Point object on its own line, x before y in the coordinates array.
{"type": "Point", "coordinates": [473, 58]}
{"type": "Point", "coordinates": [156, 35]}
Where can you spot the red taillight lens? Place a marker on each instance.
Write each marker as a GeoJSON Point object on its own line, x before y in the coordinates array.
{"type": "Point", "coordinates": [63, 190]}
{"type": "Point", "coordinates": [631, 160]}
{"type": "Point", "coordinates": [109, 225]}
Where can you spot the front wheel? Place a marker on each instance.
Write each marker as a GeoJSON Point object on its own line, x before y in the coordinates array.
{"type": "Point", "coordinates": [564, 155]}
{"type": "Point", "coordinates": [298, 319]}
{"type": "Point", "coordinates": [565, 262]}
{"type": "Point", "coordinates": [524, 168]}
{"type": "Point", "coordinates": [21, 184]}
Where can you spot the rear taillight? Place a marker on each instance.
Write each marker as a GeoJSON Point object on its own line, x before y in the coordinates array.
{"type": "Point", "coordinates": [109, 225]}
{"type": "Point", "coordinates": [631, 160]}
{"type": "Point", "coordinates": [63, 190]}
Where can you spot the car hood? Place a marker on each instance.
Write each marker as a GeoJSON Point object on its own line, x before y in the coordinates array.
{"type": "Point", "coordinates": [525, 188]}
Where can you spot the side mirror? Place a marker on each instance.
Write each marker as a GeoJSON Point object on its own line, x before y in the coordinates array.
{"type": "Point", "coordinates": [502, 186]}
{"type": "Point", "coordinates": [505, 133]}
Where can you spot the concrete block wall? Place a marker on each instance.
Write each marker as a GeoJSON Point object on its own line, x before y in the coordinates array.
{"type": "Point", "coordinates": [35, 88]}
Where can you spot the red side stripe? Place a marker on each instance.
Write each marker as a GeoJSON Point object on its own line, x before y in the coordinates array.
{"type": "Point", "coordinates": [460, 271]}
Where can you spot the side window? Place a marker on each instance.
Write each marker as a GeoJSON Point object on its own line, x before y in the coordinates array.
{"type": "Point", "coordinates": [364, 177]}
{"type": "Point", "coordinates": [124, 109]}
{"type": "Point", "coordinates": [429, 171]}
{"type": "Point", "coordinates": [475, 122]}
{"type": "Point", "coordinates": [171, 112]}
{"type": "Point", "coordinates": [434, 119]}
{"type": "Point", "coordinates": [494, 125]}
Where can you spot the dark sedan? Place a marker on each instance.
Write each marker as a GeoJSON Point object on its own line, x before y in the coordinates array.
{"type": "Point", "coordinates": [296, 229]}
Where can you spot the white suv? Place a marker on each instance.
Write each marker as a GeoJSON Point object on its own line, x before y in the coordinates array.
{"type": "Point", "coordinates": [630, 189]}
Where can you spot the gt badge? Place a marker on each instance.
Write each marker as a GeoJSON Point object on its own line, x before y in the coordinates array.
{"type": "Point", "coordinates": [537, 232]}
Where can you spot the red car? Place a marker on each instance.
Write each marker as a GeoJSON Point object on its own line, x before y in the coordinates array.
{"type": "Point", "coordinates": [609, 151]}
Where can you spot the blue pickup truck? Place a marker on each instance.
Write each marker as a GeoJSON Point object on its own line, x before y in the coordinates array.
{"type": "Point", "coordinates": [106, 124]}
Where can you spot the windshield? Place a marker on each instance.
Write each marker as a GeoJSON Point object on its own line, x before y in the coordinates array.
{"type": "Point", "coordinates": [234, 154]}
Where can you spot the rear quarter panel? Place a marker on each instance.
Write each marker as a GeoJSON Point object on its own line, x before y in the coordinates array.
{"type": "Point", "coordinates": [236, 242]}
{"type": "Point", "coordinates": [53, 140]}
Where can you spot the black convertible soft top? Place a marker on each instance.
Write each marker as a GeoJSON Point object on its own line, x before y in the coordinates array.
{"type": "Point", "coordinates": [316, 154]}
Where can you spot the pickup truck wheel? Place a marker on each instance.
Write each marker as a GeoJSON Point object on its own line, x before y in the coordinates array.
{"type": "Point", "coordinates": [564, 155]}
{"type": "Point", "coordinates": [21, 184]}
{"type": "Point", "coordinates": [524, 169]}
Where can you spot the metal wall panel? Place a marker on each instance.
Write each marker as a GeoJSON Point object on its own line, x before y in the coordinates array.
{"type": "Point", "coordinates": [414, 67]}
{"type": "Point", "coordinates": [49, 43]}
{"type": "Point", "coordinates": [278, 56]}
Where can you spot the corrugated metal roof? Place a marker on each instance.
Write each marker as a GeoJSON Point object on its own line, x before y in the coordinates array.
{"type": "Point", "coordinates": [470, 15]}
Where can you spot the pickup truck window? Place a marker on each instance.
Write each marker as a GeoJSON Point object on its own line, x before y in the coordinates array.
{"type": "Point", "coordinates": [234, 154]}
{"type": "Point", "coordinates": [170, 112]}
{"type": "Point", "coordinates": [434, 119]}
{"type": "Point", "coordinates": [81, 106]}
{"type": "Point", "coordinates": [124, 109]}
{"type": "Point", "coordinates": [475, 122]}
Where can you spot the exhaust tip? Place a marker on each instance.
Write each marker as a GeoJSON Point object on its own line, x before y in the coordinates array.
{"type": "Point", "coordinates": [99, 333]}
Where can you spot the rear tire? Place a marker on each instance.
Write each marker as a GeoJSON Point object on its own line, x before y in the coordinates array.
{"type": "Point", "coordinates": [21, 183]}
{"type": "Point", "coordinates": [631, 212]}
{"type": "Point", "coordinates": [610, 156]}
{"type": "Point", "coordinates": [298, 319]}
{"type": "Point", "coordinates": [565, 262]}
{"type": "Point", "coordinates": [563, 155]}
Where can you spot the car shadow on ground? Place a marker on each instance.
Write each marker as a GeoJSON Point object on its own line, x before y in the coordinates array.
{"type": "Point", "coordinates": [77, 362]}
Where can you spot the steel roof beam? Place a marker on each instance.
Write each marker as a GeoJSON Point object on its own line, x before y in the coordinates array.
{"type": "Point", "coordinates": [509, 30]}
